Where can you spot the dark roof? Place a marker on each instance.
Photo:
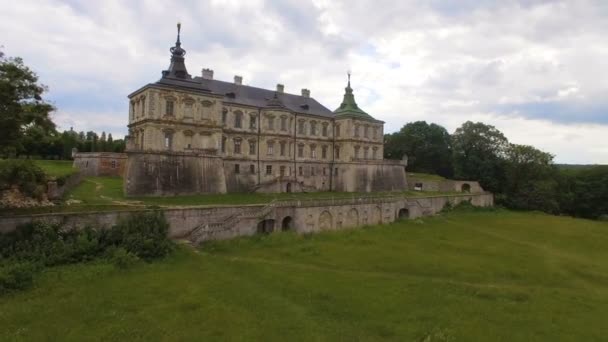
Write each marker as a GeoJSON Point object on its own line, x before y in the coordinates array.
{"type": "Point", "coordinates": [249, 96]}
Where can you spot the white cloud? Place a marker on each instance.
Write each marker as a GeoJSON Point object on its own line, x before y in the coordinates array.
{"type": "Point", "coordinates": [532, 68]}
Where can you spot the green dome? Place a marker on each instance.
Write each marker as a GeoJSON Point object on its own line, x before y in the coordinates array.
{"type": "Point", "coordinates": [349, 107]}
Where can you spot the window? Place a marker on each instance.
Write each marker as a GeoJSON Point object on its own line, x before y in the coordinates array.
{"type": "Point", "coordinates": [252, 169]}
{"type": "Point", "coordinates": [168, 141]}
{"type": "Point", "coordinates": [113, 164]}
{"type": "Point", "coordinates": [313, 128]}
{"type": "Point", "coordinates": [141, 144]}
{"type": "Point", "coordinates": [143, 107]}
{"type": "Point", "coordinates": [324, 131]}
{"type": "Point", "coordinates": [301, 128]}
{"type": "Point", "coordinates": [366, 131]}
{"type": "Point", "coordinates": [366, 152]}
{"type": "Point", "coordinates": [324, 171]}
{"type": "Point", "coordinates": [312, 170]}
{"type": "Point", "coordinates": [282, 144]}
{"type": "Point", "coordinates": [301, 151]}
{"type": "Point", "coordinates": [357, 150]}
{"type": "Point", "coordinates": [337, 152]}
{"type": "Point", "coordinates": [335, 171]}
{"type": "Point", "coordinates": [283, 123]}
{"type": "Point", "coordinates": [356, 131]}
{"type": "Point", "coordinates": [169, 107]}
{"type": "Point", "coordinates": [238, 120]}
{"type": "Point", "coordinates": [271, 123]}
{"type": "Point", "coordinates": [268, 169]}
{"type": "Point", "coordinates": [324, 152]}
{"type": "Point", "coordinates": [132, 110]}
{"type": "Point", "coordinates": [188, 110]}
{"type": "Point", "coordinates": [224, 116]}
{"type": "Point", "coordinates": [223, 145]}
{"type": "Point", "coordinates": [300, 171]}
{"type": "Point", "coordinates": [282, 171]}
{"type": "Point", "coordinates": [375, 132]}
{"type": "Point", "coordinates": [313, 151]}
{"type": "Point", "coordinates": [252, 122]}
{"type": "Point", "coordinates": [237, 168]}
{"type": "Point", "coordinates": [237, 146]}
{"type": "Point", "coordinates": [270, 148]}
{"type": "Point", "coordinates": [375, 153]}
{"type": "Point", "coordinates": [252, 147]}
{"type": "Point", "coordinates": [337, 130]}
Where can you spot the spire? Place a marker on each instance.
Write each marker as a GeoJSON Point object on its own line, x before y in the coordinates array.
{"type": "Point", "coordinates": [349, 105]}
{"type": "Point", "coordinates": [177, 68]}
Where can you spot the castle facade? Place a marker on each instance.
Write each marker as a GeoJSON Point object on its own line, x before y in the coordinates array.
{"type": "Point", "coordinates": [196, 134]}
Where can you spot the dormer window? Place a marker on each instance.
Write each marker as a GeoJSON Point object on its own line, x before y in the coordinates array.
{"type": "Point", "coordinates": [231, 95]}
{"type": "Point", "coordinates": [304, 106]}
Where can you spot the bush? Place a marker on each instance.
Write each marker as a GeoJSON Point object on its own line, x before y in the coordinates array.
{"type": "Point", "coordinates": [27, 176]}
{"type": "Point", "coordinates": [17, 276]}
{"type": "Point", "coordinates": [123, 259]}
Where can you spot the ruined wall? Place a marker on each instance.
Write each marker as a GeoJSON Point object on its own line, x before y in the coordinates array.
{"type": "Point", "coordinates": [100, 163]}
{"type": "Point", "coordinates": [166, 174]}
{"type": "Point", "coordinates": [448, 185]}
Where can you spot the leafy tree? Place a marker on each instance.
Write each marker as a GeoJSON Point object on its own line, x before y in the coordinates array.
{"type": "Point", "coordinates": [427, 146]}
{"type": "Point", "coordinates": [530, 179]}
{"type": "Point", "coordinates": [478, 154]}
{"type": "Point", "coordinates": [21, 104]}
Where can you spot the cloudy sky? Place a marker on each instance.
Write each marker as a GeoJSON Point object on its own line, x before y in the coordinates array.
{"type": "Point", "coordinates": [537, 70]}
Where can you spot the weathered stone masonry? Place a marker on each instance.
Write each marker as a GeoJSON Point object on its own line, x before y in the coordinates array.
{"type": "Point", "coordinates": [200, 224]}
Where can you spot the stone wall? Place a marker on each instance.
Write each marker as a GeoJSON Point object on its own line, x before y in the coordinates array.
{"type": "Point", "coordinates": [447, 185]}
{"type": "Point", "coordinates": [171, 173]}
{"type": "Point", "coordinates": [223, 222]}
{"type": "Point", "coordinates": [100, 163]}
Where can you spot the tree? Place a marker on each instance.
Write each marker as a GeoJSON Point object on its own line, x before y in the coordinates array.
{"type": "Point", "coordinates": [478, 154]}
{"type": "Point", "coordinates": [21, 104]}
{"type": "Point", "coordinates": [530, 179]}
{"type": "Point", "coordinates": [428, 147]}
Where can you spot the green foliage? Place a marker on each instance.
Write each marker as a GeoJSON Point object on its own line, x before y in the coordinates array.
{"type": "Point", "coordinates": [123, 259]}
{"type": "Point", "coordinates": [478, 154]}
{"type": "Point", "coordinates": [44, 244]}
{"type": "Point", "coordinates": [27, 176]}
{"type": "Point", "coordinates": [21, 105]}
{"type": "Point", "coordinates": [427, 146]}
{"type": "Point", "coordinates": [16, 276]}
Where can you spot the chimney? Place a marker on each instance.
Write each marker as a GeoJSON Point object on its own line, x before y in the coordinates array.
{"type": "Point", "coordinates": [280, 88]}
{"type": "Point", "coordinates": [208, 74]}
{"type": "Point", "coordinates": [305, 92]}
{"type": "Point", "coordinates": [238, 79]}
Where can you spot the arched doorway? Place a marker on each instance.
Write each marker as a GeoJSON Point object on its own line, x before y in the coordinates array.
{"type": "Point", "coordinates": [376, 215]}
{"type": "Point", "coordinates": [325, 221]}
{"type": "Point", "coordinates": [288, 187]}
{"type": "Point", "coordinates": [266, 226]}
{"type": "Point", "coordinates": [466, 187]}
{"type": "Point", "coordinates": [403, 214]}
{"type": "Point", "coordinates": [287, 223]}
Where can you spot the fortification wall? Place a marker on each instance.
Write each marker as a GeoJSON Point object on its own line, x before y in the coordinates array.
{"type": "Point", "coordinates": [448, 185]}
{"type": "Point", "coordinates": [100, 163]}
{"type": "Point", "coordinates": [370, 177]}
{"type": "Point", "coordinates": [201, 224]}
{"type": "Point", "coordinates": [167, 174]}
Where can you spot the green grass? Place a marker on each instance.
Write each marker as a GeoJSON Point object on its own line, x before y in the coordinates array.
{"type": "Point", "coordinates": [108, 190]}
{"type": "Point", "coordinates": [425, 176]}
{"type": "Point", "coordinates": [56, 168]}
{"type": "Point", "coordinates": [462, 276]}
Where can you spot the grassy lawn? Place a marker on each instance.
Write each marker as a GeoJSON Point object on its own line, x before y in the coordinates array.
{"type": "Point", "coordinates": [462, 276]}
{"type": "Point", "coordinates": [56, 168]}
{"type": "Point", "coordinates": [108, 190]}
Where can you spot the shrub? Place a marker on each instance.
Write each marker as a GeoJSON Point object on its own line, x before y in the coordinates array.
{"type": "Point", "coordinates": [17, 276]}
{"type": "Point", "coordinates": [123, 259]}
{"type": "Point", "coordinates": [143, 234]}
{"type": "Point", "coordinates": [24, 174]}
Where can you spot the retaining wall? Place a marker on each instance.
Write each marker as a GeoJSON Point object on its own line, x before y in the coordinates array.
{"type": "Point", "coordinates": [223, 222]}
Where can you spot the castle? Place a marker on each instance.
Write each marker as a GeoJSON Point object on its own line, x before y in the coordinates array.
{"type": "Point", "coordinates": [201, 135]}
